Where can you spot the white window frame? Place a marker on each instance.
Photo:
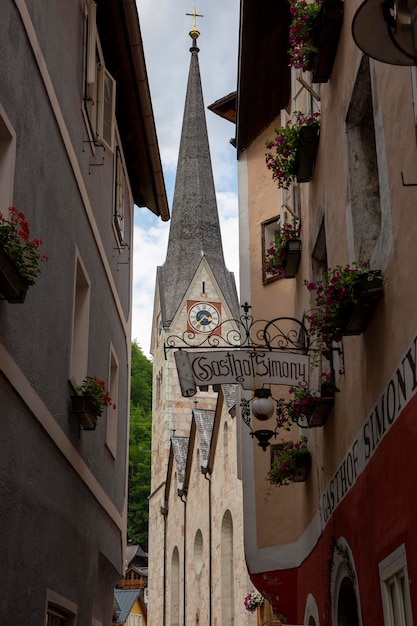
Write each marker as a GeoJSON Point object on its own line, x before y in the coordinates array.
{"type": "Point", "coordinates": [60, 604]}
{"type": "Point", "coordinates": [112, 414]}
{"type": "Point", "coordinates": [99, 87]}
{"type": "Point", "coordinates": [122, 195]}
{"type": "Point", "coordinates": [80, 323]}
{"type": "Point", "coordinates": [269, 228]}
{"type": "Point", "coordinates": [106, 108]}
{"type": "Point", "coordinates": [392, 570]}
{"type": "Point", "coordinates": [7, 160]}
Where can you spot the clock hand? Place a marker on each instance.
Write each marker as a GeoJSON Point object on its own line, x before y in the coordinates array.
{"type": "Point", "coordinates": [203, 318]}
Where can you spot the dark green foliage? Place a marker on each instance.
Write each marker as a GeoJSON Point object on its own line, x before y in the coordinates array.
{"type": "Point", "coordinates": [141, 379]}
{"type": "Point", "coordinates": [140, 447]}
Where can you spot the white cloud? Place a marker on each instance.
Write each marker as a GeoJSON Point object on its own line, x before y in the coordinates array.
{"type": "Point", "coordinates": [166, 42]}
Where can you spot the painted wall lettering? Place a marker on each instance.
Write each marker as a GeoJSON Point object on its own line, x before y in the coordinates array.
{"type": "Point", "coordinates": [396, 394]}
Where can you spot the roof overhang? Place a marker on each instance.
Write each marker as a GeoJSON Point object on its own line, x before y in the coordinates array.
{"type": "Point", "coordinates": [225, 107]}
{"type": "Point", "coordinates": [121, 40]}
{"type": "Point", "coordinates": [264, 78]}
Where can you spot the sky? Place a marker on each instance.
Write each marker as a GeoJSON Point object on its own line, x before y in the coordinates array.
{"type": "Point", "coordinates": [165, 27]}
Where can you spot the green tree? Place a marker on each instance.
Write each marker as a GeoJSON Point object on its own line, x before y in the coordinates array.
{"type": "Point", "coordinates": [140, 447]}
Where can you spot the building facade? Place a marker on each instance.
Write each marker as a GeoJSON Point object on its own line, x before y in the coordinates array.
{"type": "Point", "coordinates": [78, 149]}
{"type": "Point", "coordinates": [341, 546]}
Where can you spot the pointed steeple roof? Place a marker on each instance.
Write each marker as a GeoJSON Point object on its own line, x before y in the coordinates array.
{"type": "Point", "coordinates": [195, 228]}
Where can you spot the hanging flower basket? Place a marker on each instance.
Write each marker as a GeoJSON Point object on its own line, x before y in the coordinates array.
{"type": "Point", "coordinates": [326, 39]}
{"type": "Point", "coordinates": [254, 600]}
{"type": "Point", "coordinates": [292, 258]}
{"type": "Point", "coordinates": [307, 408]}
{"type": "Point", "coordinates": [80, 407]}
{"type": "Point", "coordinates": [355, 316]}
{"type": "Point", "coordinates": [292, 463]}
{"type": "Point", "coordinates": [314, 36]}
{"type": "Point", "coordinates": [306, 153]}
{"type": "Point", "coordinates": [12, 285]}
{"type": "Point", "coordinates": [282, 258]}
{"type": "Point", "coordinates": [294, 149]}
{"type": "Point", "coordinates": [345, 300]}
{"type": "Point", "coordinates": [302, 468]}
{"type": "Point", "coordinates": [318, 411]}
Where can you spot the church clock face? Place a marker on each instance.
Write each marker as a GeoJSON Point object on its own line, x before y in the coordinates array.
{"type": "Point", "coordinates": [203, 317]}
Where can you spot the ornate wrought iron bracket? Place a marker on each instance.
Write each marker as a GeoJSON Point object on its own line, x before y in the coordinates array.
{"type": "Point", "coordinates": [245, 333]}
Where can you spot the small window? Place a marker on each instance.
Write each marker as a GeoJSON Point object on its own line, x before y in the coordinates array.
{"type": "Point", "coordinates": [99, 86]}
{"type": "Point", "coordinates": [59, 611]}
{"type": "Point", "coordinates": [269, 229]}
{"type": "Point", "coordinates": [55, 617]}
{"type": "Point", "coordinates": [198, 552]}
{"type": "Point", "coordinates": [106, 109]}
{"type": "Point", "coordinates": [395, 587]}
{"type": "Point", "coordinates": [80, 325]}
{"type": "Point", "coordinates": [121, 196]}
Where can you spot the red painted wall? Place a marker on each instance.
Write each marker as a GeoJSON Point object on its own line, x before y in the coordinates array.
{"type": "Point", "coordinates": [375, 517]}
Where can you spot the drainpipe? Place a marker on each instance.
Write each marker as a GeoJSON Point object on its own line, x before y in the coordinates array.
{"type": "Point", "coordinates": [182, 493]}
{"type": "Point", "coordinates": [207, 475]}
{"type": "Point", "coordinates": [164, 512]}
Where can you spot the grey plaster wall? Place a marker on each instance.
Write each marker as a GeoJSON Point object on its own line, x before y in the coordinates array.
{"type": "Point", "coordinates": [53, 532]}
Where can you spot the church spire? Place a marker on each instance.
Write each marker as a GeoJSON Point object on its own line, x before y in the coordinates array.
{"type": "Point", "coordinates": [195, 228]}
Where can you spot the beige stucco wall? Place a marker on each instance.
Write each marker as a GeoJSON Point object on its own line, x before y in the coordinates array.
{"type": "Point", "coordinates": [369, 359]}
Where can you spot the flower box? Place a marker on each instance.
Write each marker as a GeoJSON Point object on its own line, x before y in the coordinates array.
{"type": "Point", "coordinates": [292, 152]}
{"type": "Point", "coordinates": [291, 462]}
{"type": "Point", "coordinates": [345, 299]}
{"type": "Point", "coordinates": [12, 285]}
{"type": "Point", "coordinates": [356, 316]}
{"type": "Point", "coordinates": [303, 466]}
{"type": "Point", "coordinates": [306, 154]}
{"type": "Point", "coordinates": [282, 257]}
{"type": "Point", "coordinates": [80, 407]}
{"type": "Point", "coordinates": [320, 410]}
{"type": "Point", "coordinates": [292, 258]}
{"type": "Point", "coordinates": [326, 40]}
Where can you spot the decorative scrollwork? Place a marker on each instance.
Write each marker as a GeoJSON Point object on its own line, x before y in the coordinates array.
{"type": "Point", "coordinates": [281, 333]}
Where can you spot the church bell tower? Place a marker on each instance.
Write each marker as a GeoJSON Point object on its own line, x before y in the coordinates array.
{"type": "Point", "coordinates": [194, 294]}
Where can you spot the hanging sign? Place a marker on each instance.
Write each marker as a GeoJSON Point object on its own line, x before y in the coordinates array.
{"type": "Point", "coordinates": [249, 368]}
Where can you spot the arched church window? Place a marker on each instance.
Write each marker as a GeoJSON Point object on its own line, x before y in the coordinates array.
{"type": "Point", "coordinates": [175, 588]}
{"type": "Point", "coordinates": [227, 570]}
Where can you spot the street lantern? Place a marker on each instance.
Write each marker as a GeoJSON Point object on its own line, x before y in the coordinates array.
{"type": "Point", "coordinates": [386, 30]}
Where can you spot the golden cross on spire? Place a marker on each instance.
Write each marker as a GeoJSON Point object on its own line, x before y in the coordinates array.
{"type": "Point", "coordinates": [194, 32]}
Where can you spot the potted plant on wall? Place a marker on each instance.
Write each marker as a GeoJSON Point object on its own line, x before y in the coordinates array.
{"type": "Point", "coordinates": [282, 258]}
{"type": "Point", "coordinates": [292, 463]}
{"type": "Point", "coordinates": [307, 407]}
{"type": "Point", "coordinates": [19, 256]}
{"type": "Point", "coordinates": [314, 35]}
{"type": "Point", "coordinates": [295, 149]}
{"type": "Point", "coordinates": [345, 300]}
{"type": "Point", "coordinates": [91, 399]}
